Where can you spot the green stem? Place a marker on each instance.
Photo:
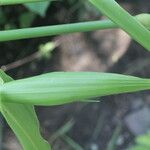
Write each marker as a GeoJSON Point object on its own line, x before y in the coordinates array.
{"type": "Point", "coordinates": [59, 29]}
{"type": "Point", "coordinates": [12, 2]}
{"type": "Point", "coordinates": [54, 30]}
{"type": "Point", "coordinates": [124, 20]}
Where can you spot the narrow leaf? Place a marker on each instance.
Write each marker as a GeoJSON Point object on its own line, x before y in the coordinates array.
{"type": "Point", "coordinates": [64, 87]}
{"type": "Point", "coordinates": [23, 121]}
{"type": "Point", "coordinates": [122, 18]}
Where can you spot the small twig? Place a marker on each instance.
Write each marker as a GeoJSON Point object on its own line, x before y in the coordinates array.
{"type": "Point", "coordinates": [25, 60]}
{"type": "Point", "coordinates": [20, 62]}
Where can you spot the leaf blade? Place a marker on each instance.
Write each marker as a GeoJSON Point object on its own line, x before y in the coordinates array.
{"type": "Point", "coordinates": [65, 87]}
{"type": "Point", "coordinates": [17, 116]}
{"type": "Point", "coordinates": [122, 18]}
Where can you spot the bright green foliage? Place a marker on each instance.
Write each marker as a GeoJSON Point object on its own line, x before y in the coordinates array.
{"type": "Point", "coordinates": [65, 87]}
{"type": "Point", "coordinates": [122, 18]}
{"type": "Point", "coordinates": [142, 143]}
{"type": "Point", "coordinates": [23, 121]}
{"type": "Point", "coordinates": [17, 98]}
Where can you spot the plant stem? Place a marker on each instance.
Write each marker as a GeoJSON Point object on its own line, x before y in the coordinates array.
{"type": "Point", "coordinates": [124, 20]}
{"type": "Point", "coordinates": [12, 2]}
{"type": "Point", "coordinates": [16, 34]}
{"type": "Point", "coordinates": [54, 30]}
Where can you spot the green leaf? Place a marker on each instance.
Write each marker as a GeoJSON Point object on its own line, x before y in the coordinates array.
{"type": "Point", "coordinates": [23, 121]}
{"type": "Point", "coordinates": [124, 20]}
{"type": "Point", "coordinates": [65, 87]}
{"type": "Point", "coordinates": [39, 8]}
{"type": "Point", "coordinates": [142, 142]}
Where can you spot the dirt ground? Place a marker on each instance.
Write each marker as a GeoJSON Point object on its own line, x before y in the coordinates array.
{"type": "Point", "coordinates": [89, 126]}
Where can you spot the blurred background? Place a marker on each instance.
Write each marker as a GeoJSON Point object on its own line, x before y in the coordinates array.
{"type": "Point", "coordinates": [117, 122]}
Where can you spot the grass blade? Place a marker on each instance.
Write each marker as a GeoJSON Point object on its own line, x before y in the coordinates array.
{"type": "Point", "coordinates": [112, 143]}
{"type": "Point", "coordinates": [74, 145]}
{"type": "Point", "coordinates": [127, 22]}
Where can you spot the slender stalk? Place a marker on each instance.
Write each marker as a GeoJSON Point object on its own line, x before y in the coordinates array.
{"type": "Point", "coordinates": [12, 2]}
{"type": "Point", "coordinates": [17, 34]}
{"type": "Point", "coordinates": [54, 30]}
{"type": "Point", "coordinates": [124, 20]}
